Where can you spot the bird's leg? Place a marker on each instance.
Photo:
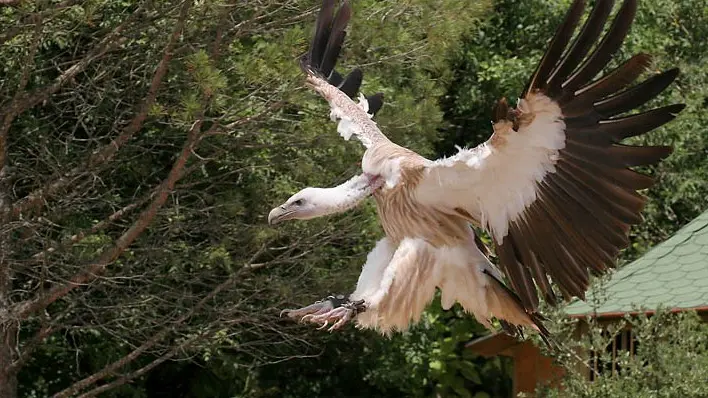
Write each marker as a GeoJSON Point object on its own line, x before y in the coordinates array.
{"type": "Point", "coordinates": [334, 311]}
{"type": "Point", "coordinates": [338, 310]}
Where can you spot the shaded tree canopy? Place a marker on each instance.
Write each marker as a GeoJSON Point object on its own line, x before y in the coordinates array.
{"type": "Point", "coordinates": [142, 144]}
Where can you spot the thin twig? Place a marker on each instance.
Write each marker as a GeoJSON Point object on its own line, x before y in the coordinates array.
{"type": "Point", "coordinates": [106, 153]}
{"type": "Point", "coordinates": [156, 338]}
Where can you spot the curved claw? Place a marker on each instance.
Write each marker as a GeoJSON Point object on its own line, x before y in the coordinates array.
{"type": "Point", "coordinates": [340, 315]}
{"type": "Point", "coordinates": [331, 312]}
{"type": "Point", "coordinates": [317, 318]}
{"type": "Point", "coordinates": [344, 319]}
{"type": "Point", "coordinates": [317, 308]}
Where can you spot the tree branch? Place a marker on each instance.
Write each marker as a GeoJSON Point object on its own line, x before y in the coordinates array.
{"type": "Point", "coordinates": [111, 368]}
{"type": "Point", "coordinates": [130, 376]}
{"type": "Point", "coordinates": [31, 346]}
{"type": "Point", "coordinates": [106, 153]}
{"type": "Point", "coordinates": [29, 100]}
{"type": "Point", "coordinates": [79, 236]}
{"type": "Point", "coordinates": [92, 271]}
{"type": "Point", "coordinates": [17, 29]}
{"type": "Point", "coordinates": [8, 328]}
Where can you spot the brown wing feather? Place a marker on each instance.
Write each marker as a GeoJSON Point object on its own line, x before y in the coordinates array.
{"type": "Point", "coordinates": [327, 42]}
{"type": "Point", "coordinates": [582, 214]}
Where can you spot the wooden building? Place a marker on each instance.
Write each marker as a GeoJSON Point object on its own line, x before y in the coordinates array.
{"type": "Point", "coordinates": [674, 275]}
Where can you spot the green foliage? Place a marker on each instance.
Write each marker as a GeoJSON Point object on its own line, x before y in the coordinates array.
{"type": "Point", "coordinates": [441, 66]}
{"type": "Point", "coordinates": [671, 359]}
{"type": "Point", "coordinates": [498, 55]}
{"type": "Point", "coordinates": [430, 359]}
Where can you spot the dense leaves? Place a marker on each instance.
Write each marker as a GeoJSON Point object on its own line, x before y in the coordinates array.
{"type": "Point", "coordinates": [671, 359]}
{"type": "Point", "coordinates": [495, 59]}
{"type": "Point", "coordinates": [143, 143]}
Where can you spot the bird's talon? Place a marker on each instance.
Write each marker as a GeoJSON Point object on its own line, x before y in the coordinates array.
{"type": "Point", "coordinates": [334, 312]}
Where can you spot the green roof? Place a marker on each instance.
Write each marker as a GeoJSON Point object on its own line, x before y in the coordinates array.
{"type": "Point", "coordinates": [673, 275]}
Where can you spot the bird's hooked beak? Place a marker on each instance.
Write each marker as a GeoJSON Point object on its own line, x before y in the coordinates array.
{"type": "Point", "coordinates": [279, 214]}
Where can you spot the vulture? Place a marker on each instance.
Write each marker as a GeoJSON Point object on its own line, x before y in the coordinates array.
{"type": "Point", "coordinates": [553, 186]}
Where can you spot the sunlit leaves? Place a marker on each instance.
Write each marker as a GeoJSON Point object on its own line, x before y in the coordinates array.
{"type": "Point", "coordinates": [671, 359]}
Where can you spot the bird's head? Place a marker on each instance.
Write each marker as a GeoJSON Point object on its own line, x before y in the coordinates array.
{"type": "Point", "coordinates": [304, 205]}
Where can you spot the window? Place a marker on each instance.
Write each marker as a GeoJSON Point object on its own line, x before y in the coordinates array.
{"type": "Point", "coordinates": [607, 365]}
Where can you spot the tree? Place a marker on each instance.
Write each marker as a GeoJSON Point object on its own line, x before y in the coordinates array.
{"type": "Point", "coordinates": [112, 111]}
{"type": "Point", "coordinates": [138, 142]}
{"type": "Point", "coordinates": [670, 361]}
{"type": "Point", "coordinates": [494, 60]}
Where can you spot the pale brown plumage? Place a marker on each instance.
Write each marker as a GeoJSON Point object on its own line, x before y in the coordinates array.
{"type": "Point", "coordinates": [395, 205]}
{"type": "Point", "coordinates": [552, 186]}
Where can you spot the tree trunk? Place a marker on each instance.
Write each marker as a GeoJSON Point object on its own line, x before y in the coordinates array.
{"type": "Point", "coordinates": [8, 334]}
{"type": "Point", "coordinates": [8, 328]}
{"type": "Point", "coordinates": [8, 378]}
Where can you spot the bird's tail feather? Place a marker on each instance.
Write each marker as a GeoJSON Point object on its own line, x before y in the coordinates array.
{"type": "Point", "coordinates": [506, 306]}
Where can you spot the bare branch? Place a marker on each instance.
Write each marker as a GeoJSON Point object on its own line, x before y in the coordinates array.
{"type": "Point", "coordinates": [8, 330]}
{"type": "Point", "coordinates": [17, 29]}
{"type": "Point", "coordinates": [31, 346]}
{"type": "Point", "coordinates": [157, 361]}
{"type": "Point", "coordinates": [92, 271]}
{"type": "Point", "coordinates": [156, 338]}
{"type": "Point", "coordinates": [79, 236]}
{"type": "Point", "coordinates": [108, 43]}
{"type": "Point", "coordinates": [106, 153]}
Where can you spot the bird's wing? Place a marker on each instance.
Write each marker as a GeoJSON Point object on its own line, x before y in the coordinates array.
{"type": "Point", "coordinates": [354, 117]}
{"type": "Point", "coordinates": [553, 184]}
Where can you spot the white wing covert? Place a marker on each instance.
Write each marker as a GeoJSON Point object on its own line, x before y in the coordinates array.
{"type": "Point", "coordinates": [553, 184]}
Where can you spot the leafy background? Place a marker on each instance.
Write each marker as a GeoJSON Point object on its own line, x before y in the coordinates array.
{"type": "Point", "coordinates": [232, 70]}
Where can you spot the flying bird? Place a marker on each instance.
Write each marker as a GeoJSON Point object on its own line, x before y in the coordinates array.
{"type": "Point", "coordinates": [553, 186]}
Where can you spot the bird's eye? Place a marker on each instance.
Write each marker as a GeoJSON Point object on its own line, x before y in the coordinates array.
{"type": "Point", "coordinates": [297, 202]}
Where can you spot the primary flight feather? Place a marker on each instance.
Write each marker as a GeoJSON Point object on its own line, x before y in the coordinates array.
{"type": "Point", "coordinates": [553, 185]}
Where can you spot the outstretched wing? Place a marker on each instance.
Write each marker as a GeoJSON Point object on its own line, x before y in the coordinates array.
{"type": "Point", "coordinates": [354, 118]}
{"type": "Point", "coordinates": [553, 184]}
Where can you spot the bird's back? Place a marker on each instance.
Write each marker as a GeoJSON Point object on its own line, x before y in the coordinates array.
{"type": "Point", "coordinates": [400, 214]}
